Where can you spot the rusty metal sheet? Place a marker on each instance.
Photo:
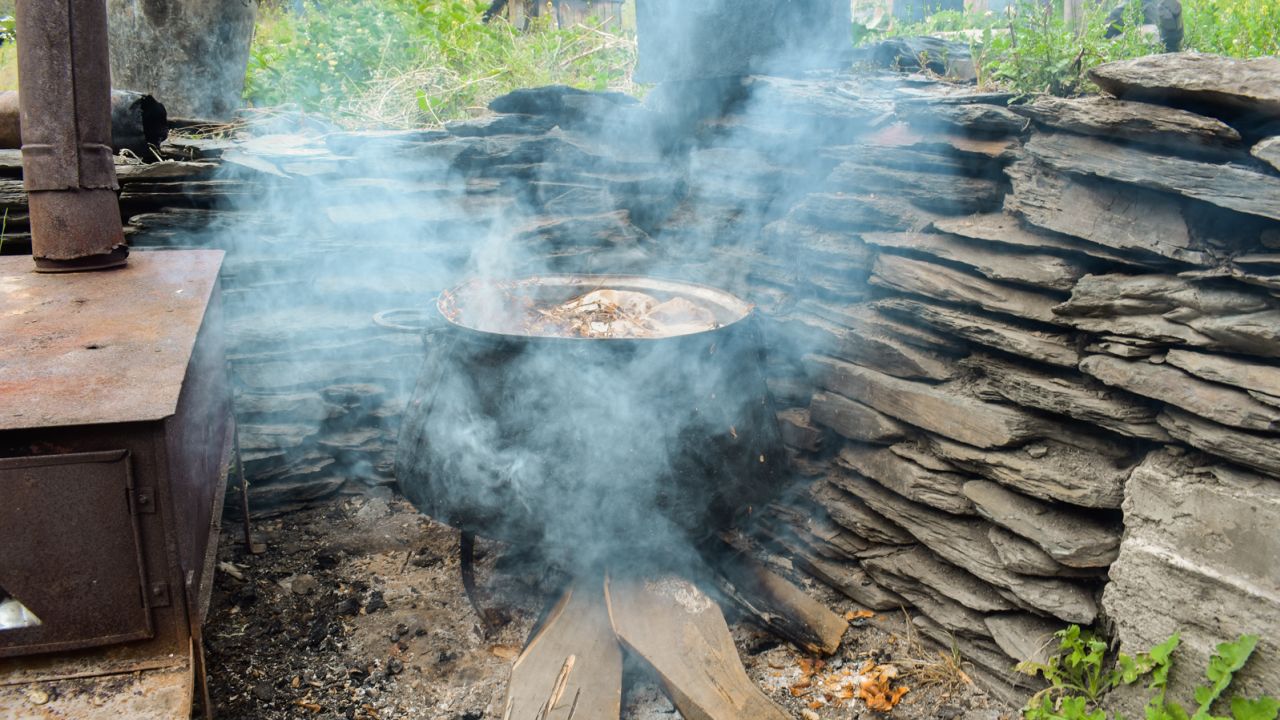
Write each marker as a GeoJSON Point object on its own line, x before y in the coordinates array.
{"type": "Point", "coordinates": [93, 348]}
{"type": "Point", "coordinates": [157, 694]}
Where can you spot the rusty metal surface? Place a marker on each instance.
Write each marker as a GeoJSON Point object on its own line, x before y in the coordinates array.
{"type": "Point", "coordinates": [65, 87]}
{"type": "Point", "coordinates": [72, 550]}
{"type": "Point", "coordinates": [65, 91]}
{"type": "Point", "coordinates": [75, 230]}
{"type": "Point", "coordinates": [100, 347]}
{"type": "Point", "coordinates": [163, 693]}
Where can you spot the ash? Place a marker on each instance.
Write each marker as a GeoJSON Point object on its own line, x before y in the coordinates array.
{"type": "Point", "coordinates": [357, 611]}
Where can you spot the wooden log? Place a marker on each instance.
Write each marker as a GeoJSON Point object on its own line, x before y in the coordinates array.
{"type": "Point", "coordinates": [682, 635]}
{"type": "Point", "coordinates": [572, 665]}
{"type": "Point", "coordinates": [846, 577]}
{"type": "Point", "coordinates": [777, 604]}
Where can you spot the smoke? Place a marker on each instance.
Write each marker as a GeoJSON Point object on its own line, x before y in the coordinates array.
{"type": "Point", "coordinates": [595, 449]}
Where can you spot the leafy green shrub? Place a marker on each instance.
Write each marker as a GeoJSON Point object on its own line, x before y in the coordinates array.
{"type": "Point", "coordinates": [1042, 52]}
{"type": "Point", "coordinates": [1079, 675]}
{"type": "Point", "coordinates": [1033, 49]}
{"type": "Point", "coordinates": [1239, 28]}
{"type": "Point", "coordinates": [404, 63]}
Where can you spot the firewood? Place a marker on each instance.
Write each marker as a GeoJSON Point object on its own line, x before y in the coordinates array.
{"type": "Point", "coordinates": [682, 635]}
{"type": "Point", "coordinates": [780, 606]}
{"type": "Point", "coordinates": [572, 666]}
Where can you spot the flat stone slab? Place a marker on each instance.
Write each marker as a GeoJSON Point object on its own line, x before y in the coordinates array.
{"type": "Point", "coordinates": [846, 577]}
{"type": "Point", "coordinates": [1070, 536]}
{"type": "Point", "coordinates": [1156, 125]}
{"type": "Point", "coordinates": [1047, 347]}
{"type": "Point", "coordinates": [946, 193]}
{"type": "Point", "coordinates": [854, 420]}
{"type": "Point", "coordinates": [936, 488]}
{"type": "Point", "coordinates": [940, 608]}
{"type": "Point", "coordinates": [1023, 636]}
{"type": "Point", "coordinates": [1047, 469]}
{"type": "Point", "coordinates": [948, 284]}
{"type": "Point", "coordinates": [1024, 268]}
{"type": "Point", "coordinates": [851, 513]}
{"type": "Point", "coordinates": [944, 578]}
{"type": "Point", "coordinates": [1176, 311]}
{"type": "Point", "coordinates": [878, 350]}
{"type": "Point", "coordinates": [1024, 557]}
{"type": "Point", "coordinates": [1219, 403]}
{"type": "Point", "coordinates": [1268, 151]}
{"type": "Point", "coordinates": [1143, 223]}
{"type": "Point", "coordinates": [964, 542]}
{"type": "Point", "coordinates": [1196, 80]}
{"type": "Point", "coordinates": [940, 409]}
{"type": "Point", "coordinates": [1228, 186]}
{"type": "Point", "coordinates": [1255, 450]}
{"type": "Point", "coordinates": [1067, 394]}
{"type": "Point", "coordinates": [1002, 228]}
{"type": "Point", "coordinates": [1250, 375]}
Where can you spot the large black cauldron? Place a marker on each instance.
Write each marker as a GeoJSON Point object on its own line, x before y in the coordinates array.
{"type": "Point", "coordinates": [588, 446]}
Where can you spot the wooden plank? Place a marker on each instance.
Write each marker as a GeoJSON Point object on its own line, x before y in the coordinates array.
{"type": "Point", "coordinates": [777, 604]}
{"type": "Point", "coordinates": [683, 636]}
{"type": "Point", "coordinates": [572, 666]}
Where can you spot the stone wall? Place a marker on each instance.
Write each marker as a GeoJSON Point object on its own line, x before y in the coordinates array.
{"type": "Point", "coordinates": [1026, 357]}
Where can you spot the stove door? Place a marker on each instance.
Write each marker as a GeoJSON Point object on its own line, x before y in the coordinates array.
{"type": "Point", "coordinates": [70, 556]}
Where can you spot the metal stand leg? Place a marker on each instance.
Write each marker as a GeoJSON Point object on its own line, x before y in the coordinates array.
{"type": "Point", "coordinates": [467, 552]}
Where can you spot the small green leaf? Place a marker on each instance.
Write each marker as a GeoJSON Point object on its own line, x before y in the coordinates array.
{"type": "Point", "coordinates": [1264, 708]}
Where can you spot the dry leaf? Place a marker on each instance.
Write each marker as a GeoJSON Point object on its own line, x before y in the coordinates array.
{"type": "Point", "coordinates": [506, 652]}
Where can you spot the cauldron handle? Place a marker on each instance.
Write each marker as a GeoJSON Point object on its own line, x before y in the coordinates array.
{"type": "Point", "coordinates": [403, 319]}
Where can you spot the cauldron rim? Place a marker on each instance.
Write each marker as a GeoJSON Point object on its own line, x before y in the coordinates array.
{"type": "Point", "coordinates": [721, 301]}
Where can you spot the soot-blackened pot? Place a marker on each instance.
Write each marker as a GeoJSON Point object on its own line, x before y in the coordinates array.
{"type": "Point", "coordinates": [588, 446]}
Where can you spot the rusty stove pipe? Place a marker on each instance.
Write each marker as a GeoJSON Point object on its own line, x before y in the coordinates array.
{"type": "Point", "coordinates": [64, 85]}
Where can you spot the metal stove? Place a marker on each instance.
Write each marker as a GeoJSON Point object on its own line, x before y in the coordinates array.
{"type": "Point", "coordinates": [116, 438]}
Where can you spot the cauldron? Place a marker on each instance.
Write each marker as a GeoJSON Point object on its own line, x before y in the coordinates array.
{"type": "Point", "coordinates": [588, 446]}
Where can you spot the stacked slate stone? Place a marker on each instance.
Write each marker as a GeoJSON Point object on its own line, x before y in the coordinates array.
{"type": "Point", "coordinates": [1025, 349]}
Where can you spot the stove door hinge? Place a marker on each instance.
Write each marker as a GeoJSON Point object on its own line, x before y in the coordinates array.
{"type": "Point", "coordinates": [143, 501]}
{"type": "Point", "coordinates": [158, 595]}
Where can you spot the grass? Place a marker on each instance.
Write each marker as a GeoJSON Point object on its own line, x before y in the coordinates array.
{"type": "Point", "coordinates": [409, 63]}
{"type": "Point", "coordinates": [943, 669]}
{"type": "Point", "coordinates": [1034, 50]}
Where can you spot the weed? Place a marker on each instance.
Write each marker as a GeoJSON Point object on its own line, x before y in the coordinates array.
{"type": "Point", "coordinates": [404, 63]}
{"type": "Point", "coordinates": [943, 669]}
{"type": "Point", "coordinates": [1032, 49]}
{"type": "Point", "coordinates": [1079, 675]}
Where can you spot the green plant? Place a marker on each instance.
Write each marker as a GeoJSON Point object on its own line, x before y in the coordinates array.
{"type": "Point", "coordinates": [1043, 53]}
{"type": "Point", "coordinates": [405, 63]}
{"type": "Point", "coordinates": [1079, 675]}
{"type": "Point", "coordinates": [1239, 28]}
{"type": "Point", "coordinates": [1032, 49]}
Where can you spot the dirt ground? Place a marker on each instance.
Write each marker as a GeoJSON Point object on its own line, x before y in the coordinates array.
{"type": "Point", "coordinates": [356, 610]}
